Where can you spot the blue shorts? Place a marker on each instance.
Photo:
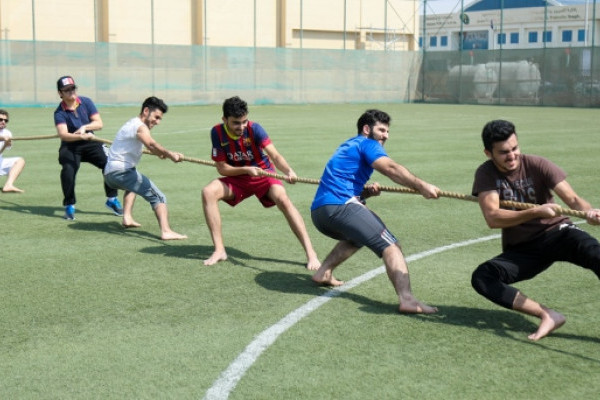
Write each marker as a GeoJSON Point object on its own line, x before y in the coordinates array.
{"type": "Point", "coordinates": [131, 180]}
{"type": "Point", "coordinates": [354, 223]}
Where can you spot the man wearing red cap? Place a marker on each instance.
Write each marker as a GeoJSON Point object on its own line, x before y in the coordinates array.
{"type": "Point", "coordinates": [76, 118]}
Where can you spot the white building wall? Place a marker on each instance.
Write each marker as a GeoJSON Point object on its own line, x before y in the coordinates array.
{"type": "Point", "coordinates": [325, 24]}
{"type": "Point", "coordinates": [521, 21]}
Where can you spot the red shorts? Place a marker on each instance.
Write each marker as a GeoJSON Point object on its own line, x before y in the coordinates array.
{"type": "Point", "coordinates": [244, 186]}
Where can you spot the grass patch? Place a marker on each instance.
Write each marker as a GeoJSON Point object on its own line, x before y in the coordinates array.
{"type": "Point", "coordinates": [90, 310]}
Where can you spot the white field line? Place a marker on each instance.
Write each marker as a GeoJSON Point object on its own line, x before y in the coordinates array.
{"type": "Point", "coordinates": [233, 374]}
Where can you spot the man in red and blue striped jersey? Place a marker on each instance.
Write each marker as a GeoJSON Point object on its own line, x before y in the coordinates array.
{"type": "Point", "coordinates": [241, 150]}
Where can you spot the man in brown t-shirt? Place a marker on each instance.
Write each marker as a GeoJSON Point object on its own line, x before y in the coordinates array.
{"type": "Point", "coordinates": [532, 239]}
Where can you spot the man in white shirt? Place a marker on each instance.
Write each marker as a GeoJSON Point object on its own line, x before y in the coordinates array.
{"type": "Point", "coordinates": [10, 166]}
{"type": "Point", "coordinates": [124, 155]}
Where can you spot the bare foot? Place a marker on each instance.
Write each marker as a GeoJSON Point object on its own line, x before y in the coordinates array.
{"type": "Point", "coordinates": [551, 321]}
{"type": "Point", "coordinates": [12, 189]}
{"type": "Point", "coordinates": [172, 236]}
{"type": "Point", "coordinates": [130, 223]}
{"type": "Point", "coordinates": [326, 279]}
{"type": "Point", "coordinates": [414, 306]}
{"type": "Point", "coordinates": [215, 258]}
{"type": "Point", "coordinates": [313, 264]}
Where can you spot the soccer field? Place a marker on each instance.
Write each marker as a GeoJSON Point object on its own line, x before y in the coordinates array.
{"type": "Point", "coordinates": [93, 311]}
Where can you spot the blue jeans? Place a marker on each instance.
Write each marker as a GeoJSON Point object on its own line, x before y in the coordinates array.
{"type": "Point", "coordinates": [131, 180]}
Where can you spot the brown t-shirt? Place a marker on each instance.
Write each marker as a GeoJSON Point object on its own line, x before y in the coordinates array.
{"type": "Point", "coordinates": [530, 183]}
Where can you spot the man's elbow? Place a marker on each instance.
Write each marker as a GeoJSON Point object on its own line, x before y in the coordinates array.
{"type": "Point", "coordinates": [492, 223]}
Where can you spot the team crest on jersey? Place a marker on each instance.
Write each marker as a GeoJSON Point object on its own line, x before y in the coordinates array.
{"type": "Point", "coordinates": [247, 141]}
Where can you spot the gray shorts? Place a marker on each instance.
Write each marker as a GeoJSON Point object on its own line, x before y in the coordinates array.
{"type": "Point", "coordinates": [354, 223]}
{"type": "Point", "coordinates": [131, 180]}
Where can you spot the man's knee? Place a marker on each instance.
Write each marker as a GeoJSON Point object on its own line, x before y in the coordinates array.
{"type": "Point", "coordinates": [69, 169]}
{"type": "Point", "coordinates": [210, 191]}
{"type": "Point", "coordinates": [279, 196]}
{"type": "Point", "coordinates": [284, 203]}
{"type": "Point", "coordinates": [482, 277]}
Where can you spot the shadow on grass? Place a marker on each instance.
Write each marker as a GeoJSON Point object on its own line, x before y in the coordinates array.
{"type": "Point", "coordinates": [198, 252]}
{"type": "Point", "coordinates": [44, 211]}
{"type": "Point", "coordinates": [500, 322]}
{"type": "Point", "coordinates": [178, 248]}
{"type": "Point", "coordinates": [288, 282]}
{"type": "Point", "coordinates": [113, 228]}
{"type": "Point", "coordinates": [296, 283]}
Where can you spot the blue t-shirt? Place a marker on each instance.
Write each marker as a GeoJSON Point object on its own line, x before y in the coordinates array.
{"type": "Point", "coordinates": [347, 171]}
{"type": "Point", "coordinates": [75, 119]}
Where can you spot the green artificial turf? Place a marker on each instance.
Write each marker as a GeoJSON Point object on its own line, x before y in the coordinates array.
{"type": "Point", "coordinates": [92, 311]}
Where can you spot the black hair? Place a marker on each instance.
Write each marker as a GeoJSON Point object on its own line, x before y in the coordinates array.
{"type": "Point", "coordinates": [154, 103]}
{"type": "Point", "coordinates": [497, 130]}
{"type": "Point", "coordinates": [4, 112]}
{"type": "Point", "coordinates": [235, 107]}
{"type": "Point", "coordinates": [371, 117]}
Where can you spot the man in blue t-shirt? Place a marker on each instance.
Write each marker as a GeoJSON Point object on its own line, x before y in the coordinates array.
{"type": "Point", "coordinates": [339, 211]}
{"type": "Point", "coordinates": [76, 118]}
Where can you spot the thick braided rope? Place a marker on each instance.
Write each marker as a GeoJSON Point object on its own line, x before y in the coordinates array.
{"type": "Point", "coordinates": [35, 137]}
{"type": "Point", "coordinates": [396, 189]}
{"type": "Point", "coordinates": [503, 203]}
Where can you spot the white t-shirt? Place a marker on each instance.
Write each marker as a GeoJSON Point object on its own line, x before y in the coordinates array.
{"type": "Point", "coordinates": [126, 150]}
{"type": "Point", "coordinates": [6, 133]}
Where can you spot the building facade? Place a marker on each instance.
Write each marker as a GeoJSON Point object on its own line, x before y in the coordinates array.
{"type": "Point", "coordinates": [331, 24]}
{"type": "Point", "coordinates": [543, 25]}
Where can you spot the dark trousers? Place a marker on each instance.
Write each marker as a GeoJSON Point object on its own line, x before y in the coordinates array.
{"type": "Point", "coordinates": [493, 278]}
{"type": "Point", "coordinates": [70, 156]}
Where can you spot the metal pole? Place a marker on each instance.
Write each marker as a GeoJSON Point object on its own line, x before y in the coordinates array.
{"type": "Point", "coordinates": [385, 20]}
{"type": "Point", "coordinates": [592, 51]}
{"type": "Point", "coordinates": [500, 51]}
{"type": "Point", "coordinates": [460, 50]}
{"type": "Point", "coordinates": [345, 3]}
{"type": "Point", "coordinates": [424, 45]}
{"type": "Point", "coordinates": [152, 39]}
{"type": "Point", "coordinates": [545, 61]}
{"type": "Point", "coordinates": [545, 22]}
{"type": "Point", "coordinates": [301, 28]}
{"type": "Point", "coordinates": [34, 51]}
{"type": "Point", "coordinates": [593, 26]}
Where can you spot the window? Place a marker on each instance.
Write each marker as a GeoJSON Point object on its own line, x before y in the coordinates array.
{"type": "Point", "coordinates": [444, 41]}
{"type": "Point", "coordinates": [433, 41]}
{"type": "Point", "coordinates": [567, 36]}
{"type": "Point", "coordinates": [581, 35]}
{"type": "Point", "coordinates": [420, 42]}
{"type": "Point", "coordinates": [547, 36]}
{"type": "Point", "coordinates": [502, 38]}
{"type": "Point", "coordinates": [533, 37]}
{"type": "Point", "coordinates": [514, 38]}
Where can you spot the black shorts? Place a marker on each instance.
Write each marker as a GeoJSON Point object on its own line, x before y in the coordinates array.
{"type": "Point", "coordinates": [354, 223]}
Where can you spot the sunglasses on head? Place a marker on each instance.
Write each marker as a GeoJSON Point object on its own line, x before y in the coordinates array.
{"type": "Point", "coordinates": [3, 119]}
{"type": "Point", "coordinates": [71, 89]}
